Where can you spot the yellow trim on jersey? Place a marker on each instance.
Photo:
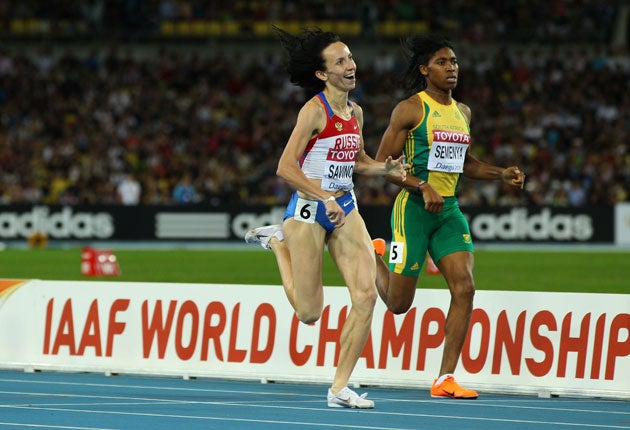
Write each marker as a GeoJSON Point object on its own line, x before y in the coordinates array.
{"type": "Point", "coordinates": [399, 221]}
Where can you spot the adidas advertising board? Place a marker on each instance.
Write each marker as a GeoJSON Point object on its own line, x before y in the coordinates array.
{"type": "Point", "coordinates": [198, 222]}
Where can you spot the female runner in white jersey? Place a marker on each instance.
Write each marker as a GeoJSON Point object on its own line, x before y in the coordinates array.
{"type": "Point", "coordinates": [323, 151]}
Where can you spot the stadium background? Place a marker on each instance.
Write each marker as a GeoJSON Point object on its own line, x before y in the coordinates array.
{"type": "Point", "coordinates": [189, 100]}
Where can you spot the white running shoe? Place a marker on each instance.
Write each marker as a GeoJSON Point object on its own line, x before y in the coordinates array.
{"type": "Point", "coordinates": [262, 235]}
{"type": "Point", "coordinates": [347, 398]}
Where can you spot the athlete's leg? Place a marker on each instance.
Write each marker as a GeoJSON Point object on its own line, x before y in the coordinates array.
{"type": "Point", "coordinates": [411, 227]}
{"type": "Point", "coordinates": [457, 269]}
{"type": "Point", "coordinates": [397, 291]}
{"type": "Point", "coordinates": [299, 257]}
{"type": "Point", "coordinates": [351, 249]}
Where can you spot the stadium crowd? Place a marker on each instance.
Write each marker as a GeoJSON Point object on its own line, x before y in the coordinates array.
{"type": "Point", "coordinates": [495, 21]}
{"type": "Point", "coordinates": [200, 126]}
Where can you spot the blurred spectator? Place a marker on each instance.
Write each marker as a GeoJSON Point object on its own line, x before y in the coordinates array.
{"type": "Point", "coordinates": [184, 191]}
{"type": "Point", "coordinates": [129, 190]}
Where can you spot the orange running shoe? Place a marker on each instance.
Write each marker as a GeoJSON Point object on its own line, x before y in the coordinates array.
{"type": "Point", "coordinates": [379, 246]}
{"type": "Point", "coordinates": [451, 389]}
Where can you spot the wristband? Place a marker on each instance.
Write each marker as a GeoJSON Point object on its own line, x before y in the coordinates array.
{"type": "Point", "coordinates": [421, 183]}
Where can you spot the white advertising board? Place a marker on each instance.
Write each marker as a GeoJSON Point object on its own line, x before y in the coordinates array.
{"type": "Point", "coordinates": [573, 344]}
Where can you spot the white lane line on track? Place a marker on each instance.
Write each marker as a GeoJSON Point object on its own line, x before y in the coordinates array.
{"type": "Point", "coordinates": [335, 425]}
{"type": "Point", "coordinates": [291, 396]}
{"type": "Point", "coordinates": [46, 426]}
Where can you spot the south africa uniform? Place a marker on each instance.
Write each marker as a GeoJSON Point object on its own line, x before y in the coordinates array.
{"type": "Point", "coordinates": [436, 149]}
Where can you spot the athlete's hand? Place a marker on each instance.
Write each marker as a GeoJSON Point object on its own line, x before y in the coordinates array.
{"type": "Point", "coordinates": [513, 176]}
{"type": "Point", "coordinates": [433, 202]}
{"type": "Point", "coordinates": [335, 213]}
{"type": "Point", "coordinates": [397, 168]}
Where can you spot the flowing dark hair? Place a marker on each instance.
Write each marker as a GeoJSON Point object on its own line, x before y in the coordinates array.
{"type": "Point", "coordinates": [418, 50]}
{"type": "Point", "coordinates": [304, 56]}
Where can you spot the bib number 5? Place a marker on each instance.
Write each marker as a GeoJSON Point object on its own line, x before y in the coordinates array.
{"type": "Point", "coordinates": [396, 250]}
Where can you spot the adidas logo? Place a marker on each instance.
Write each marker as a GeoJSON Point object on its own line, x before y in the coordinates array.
{"type": "Point", "coordinates": [436, 114]}
{"type": "Point", "coordinates": [415, 266]}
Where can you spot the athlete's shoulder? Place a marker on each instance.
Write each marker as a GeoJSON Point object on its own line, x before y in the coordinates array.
{"type": "Point", "coordinates": [356, 106]}
{"type": "Point", "coordinates": [315, 104]}
{"type": "Point", "coordinates": [465, 109]}
{"type": "Point", "coordinates": [313, 109]}
{"type": "Point", "coordinates": [409, 111]}
{"type": "Point", "coordinates": [413, 100]}
{"type": "Point", "coordinates": [358, 111]}
{"type": "Point", "coordinates": [311, 118]}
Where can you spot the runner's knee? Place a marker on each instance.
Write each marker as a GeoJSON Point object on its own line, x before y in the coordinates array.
{"type": "Point", "coordinates": [365, 298]}
{"type": "Point", "coordinates": [463, 290]}
{"type": "Point", "coordinates": [398, 307]}
{"type": "Point", "coordinates": [308, 315]}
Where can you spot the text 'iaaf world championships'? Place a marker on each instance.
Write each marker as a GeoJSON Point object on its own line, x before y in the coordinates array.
{"type": "Point", "coordinates": [539, 343]}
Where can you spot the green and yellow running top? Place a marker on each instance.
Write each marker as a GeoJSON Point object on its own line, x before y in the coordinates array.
{"type": "Point", "coordinates": [436, 147]}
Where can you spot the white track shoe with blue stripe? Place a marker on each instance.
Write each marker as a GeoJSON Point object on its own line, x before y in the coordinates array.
{"type": "Point", "coordinates": [347, 398]}
{"type": "Point", "coordinates": [262, 235]}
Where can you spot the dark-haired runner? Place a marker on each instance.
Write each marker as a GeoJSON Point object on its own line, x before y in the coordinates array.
{"type": "Point", "coordinates": [432, 130]}
{"type": "Point", "coordinates": [324, 150]}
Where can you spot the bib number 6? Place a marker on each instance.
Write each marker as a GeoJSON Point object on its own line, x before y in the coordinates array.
{"type": "Point", "coordinates": [305, 211]}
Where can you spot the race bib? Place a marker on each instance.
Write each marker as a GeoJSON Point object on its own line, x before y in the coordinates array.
{"type": "Point", "coordinates": [305, 210]}
{"type": "Point", "coordinates": [338, 176]}
{"type": "Point", "coordinates": [448, 151]}
{"type": "Point", "coordinates": [396, 252]}
{"type": "Point", "coordinates": [339, 163]}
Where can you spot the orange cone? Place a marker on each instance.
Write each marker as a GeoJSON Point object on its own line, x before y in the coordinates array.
{"type": "Point", "coordinates": [99, 262]}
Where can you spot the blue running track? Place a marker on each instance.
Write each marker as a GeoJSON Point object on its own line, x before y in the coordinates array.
{"type": "Point", "coordinates": [50, 400]}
